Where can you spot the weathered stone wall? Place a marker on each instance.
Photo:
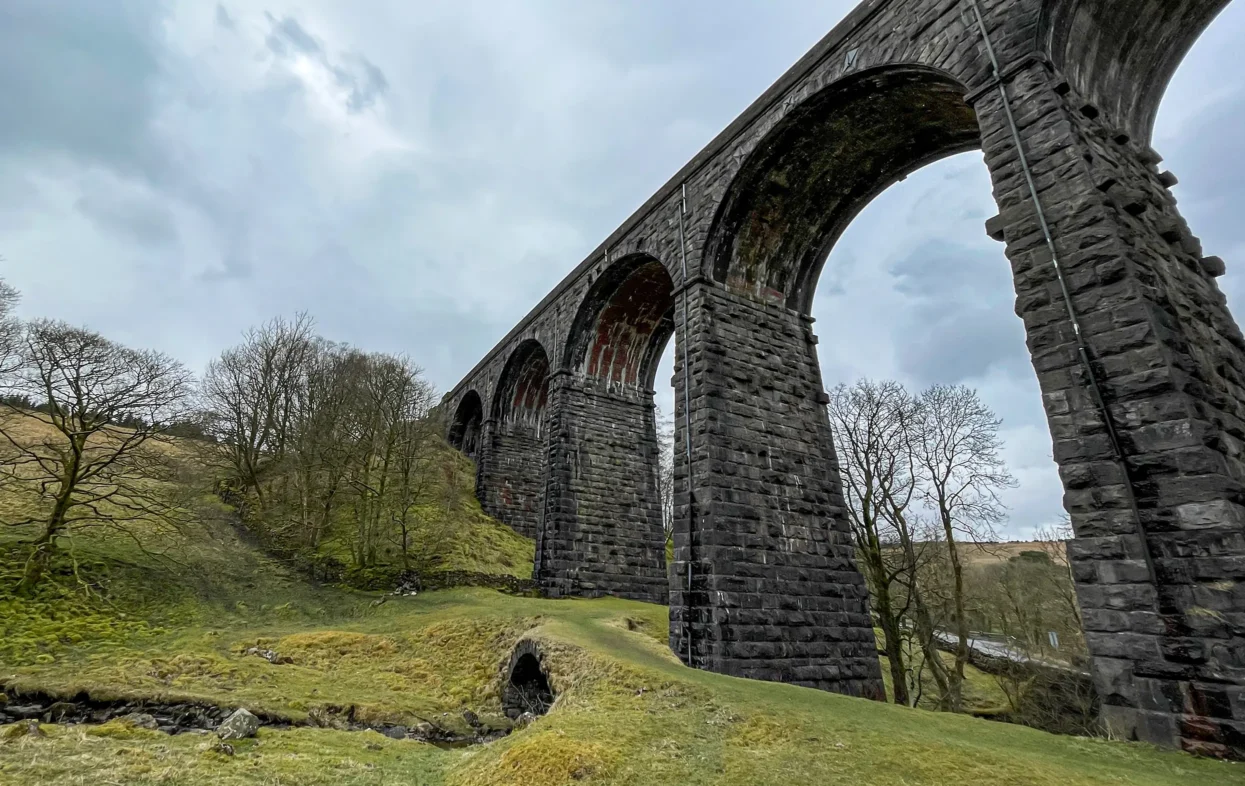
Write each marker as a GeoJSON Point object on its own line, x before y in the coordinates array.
{"type": "Point", "coordinates": [515, 479]}
{"type": "Point", "coordinates": [1160, 546]}
{"type": "Point", "coordinates": [775, 591]}
{"type": "Point", "coordinates": [1120, 54]}
{"type": "Point", "coordinates": [1158, 511]}
{"type": "Point", "coordinates": [603, 533]}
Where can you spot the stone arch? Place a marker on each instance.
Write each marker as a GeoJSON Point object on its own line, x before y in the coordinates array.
{"type": "Point", "coordinates": [810, 175]}
{"type": "Point", "coordinates": [526, 684]}
{"type": "Point", "coordinates": [603, 534]}
{"type": "Point", "coordinates": [523, 390]}
{"type": "Point", "coordinates": [1121, 55]}
{"type": "Point", "coordinates": [512, 483]}
{"type": "Point", "coordinates": [623, 324]}
{"type": "Point", "coordinates": [465, 431]}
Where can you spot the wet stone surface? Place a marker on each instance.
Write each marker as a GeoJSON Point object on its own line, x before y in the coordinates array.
{"type": "Point", "coordinates": [192, 718]}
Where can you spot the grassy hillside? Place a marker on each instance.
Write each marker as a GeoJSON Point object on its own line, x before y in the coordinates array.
{"type": "Point", "coordinates": [627, 712]}
{"type": "Point", "coordinates": [119, 621]}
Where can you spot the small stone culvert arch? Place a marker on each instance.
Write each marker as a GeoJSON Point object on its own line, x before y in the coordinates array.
{"type": "Point", "coordinates": [526, 687]}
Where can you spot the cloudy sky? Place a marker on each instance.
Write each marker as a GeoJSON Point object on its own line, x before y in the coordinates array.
{"type": "Point", "coordinates": [418, 175]}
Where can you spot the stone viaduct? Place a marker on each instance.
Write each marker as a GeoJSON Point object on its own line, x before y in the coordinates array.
{"type": "Point", "coordinates": [1141, 366]}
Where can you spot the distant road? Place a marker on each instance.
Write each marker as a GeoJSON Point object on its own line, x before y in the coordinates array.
{"type": "Point", "coordinates": [997, 649]}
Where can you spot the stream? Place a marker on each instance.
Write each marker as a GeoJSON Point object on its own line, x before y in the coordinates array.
{"type": "Point", "coordinates": [195, 718]}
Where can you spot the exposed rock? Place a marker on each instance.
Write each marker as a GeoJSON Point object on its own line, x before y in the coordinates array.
{"type": "Point", "coordinates": [58, 711]}
{"type": "Point", "coordinates": [269, 655]}
{"type": "Point", "coordinates": [140, 720]}
{"type": "Point", "coordinates": [524, 720]}
{"type": "Point", "coordinates": [426, 731]}
{"type": "Point", "coordinates": [238, 725]}
{"type": "Point", "coordinates": [188, 718]}
{"type": "Point", "coordinates": [472, 719]}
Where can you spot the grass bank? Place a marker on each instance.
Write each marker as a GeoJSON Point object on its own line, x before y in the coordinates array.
{"type": "Point", "coordinates": [181, 618]}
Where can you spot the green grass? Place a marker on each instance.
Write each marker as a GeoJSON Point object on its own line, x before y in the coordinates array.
{"type": "Point", "coordinates": [627, 711]}
{"type": "Point", "coordinates": [981, 691]}
{"type": "Point", "coordinates": [465, 539]}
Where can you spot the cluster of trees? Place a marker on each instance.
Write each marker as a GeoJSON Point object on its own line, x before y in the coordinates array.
{"type": "Point", "coordinates": [320, 439]}
{"type": "Point", "coordinates": [310, 439]}
{"type": "Point", "coordinates": [922, 474]}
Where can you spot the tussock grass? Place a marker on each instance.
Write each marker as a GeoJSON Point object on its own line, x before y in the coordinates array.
{"type": "Point", "coordinates": [128, 625]}
{"type": "Point", "coordinates": [627, 712]}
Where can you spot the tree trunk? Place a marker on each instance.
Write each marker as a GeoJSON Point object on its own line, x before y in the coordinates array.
{"type": "Point", "coordinates": [892, 643]}
{"type": "Point", "coordinates": [955, 698]}
{"type": "Point", "coordinates": [921, 619]}
{"type": "Point", "coordinates": [45, 546]}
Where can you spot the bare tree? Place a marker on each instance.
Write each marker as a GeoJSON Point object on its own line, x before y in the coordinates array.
{"type": "Point", "coordinates": [89, 469]}
{"type": "Point", "coordinates": [416, 477]}
{"type": "Point", "coordinates": [393, 396]}
{"type": "Point", "coordinates": [868, 421]}
{"type": "Point", "coordinates": [250, 392]}
{"type": "Point", "coordinates": [319, 448]}
{"type": "Point", "coordinates": [957, 450]}
{"type": "Point", "coordinates": [10, 328]}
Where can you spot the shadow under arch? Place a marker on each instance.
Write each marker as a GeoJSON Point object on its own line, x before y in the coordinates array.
{"type": "Point", "coordinates": [523, 390]}
{"type": "Point", "coordinates": [829, 157]}
{"type": "Point", "coordinates": [1121, 55]}
{"type": "Point", "coordinates": [464, 434]}
{"type": "Point", "coordinates": [623, 324]}
{"type": "Point", "coordinates": [512, 479]}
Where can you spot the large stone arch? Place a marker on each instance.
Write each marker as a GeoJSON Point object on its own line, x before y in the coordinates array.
{"type": "Point", "coordinates": [623, 323]}
{"type": "Point", "coordinates": [602, 532]}
{"type": "Point", "coordinates": [523, 389]}
{"type": "Point", "coordinates": [764, 487]}
{"type": "Point", "coordinates": [1120, 55]}
{"type": "Point", "coordinates": [512, 481]}
{"type": "Point", "coordinates": [811, 174]}
{"type": "Point", "coordinates": [467, 426]}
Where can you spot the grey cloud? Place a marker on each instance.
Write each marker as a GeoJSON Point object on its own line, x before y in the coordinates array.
{"type": "Point", "coordinates": [960, 323]}
{"type": "Point", "coordinates": [223, 19]}
{"type": "Point", "coordinates": [143, 221]}
{"type": "Point", "coordinates": [949, 348]}
{"type": "Point", "coordinates": [941, 266]}
{"type": "Point", "coordinates": [76, 80]}
{"type": "Point", "coordinates": [288, 32]}
{"type": "Point", "coordinates": [235, 265]}
{"type": "Point", "coordinates": [363, 80]}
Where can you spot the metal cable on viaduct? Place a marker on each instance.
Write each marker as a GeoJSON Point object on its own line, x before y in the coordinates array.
{"type": "Point", "coordinates": [1140, 364]}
